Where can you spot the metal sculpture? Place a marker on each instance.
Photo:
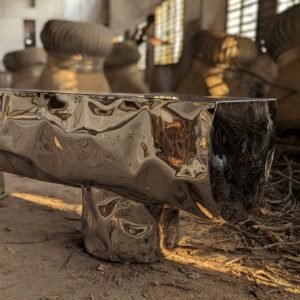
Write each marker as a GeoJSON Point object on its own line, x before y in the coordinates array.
{"type": "Point", "coordinates": [121, 69]}
{"type": "Point", "coordinates": [216, 65]}
{"type": "Point", "coordinates": [26, 66]}
{"type": "Point", "coordinates": [206, 156]}
{"type": "Point", "coordinates": [75, 55]}
{"type": "Point", "coordinates": [283, 44]}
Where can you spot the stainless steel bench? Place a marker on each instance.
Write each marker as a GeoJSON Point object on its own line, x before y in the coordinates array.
{"type": "Point", "coordinates": [139, 159]}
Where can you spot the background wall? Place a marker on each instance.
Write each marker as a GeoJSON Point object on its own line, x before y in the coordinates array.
{"type": "Point", "coordinates": [14, 12]}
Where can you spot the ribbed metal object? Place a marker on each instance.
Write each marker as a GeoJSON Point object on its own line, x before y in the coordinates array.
{"type": "Point", "coordinates": [5, 79]}
{"type": "Point", "coordinates": [284, 33]}
{"type": "Point", "coordinates": [73, 38]}
{"type": "Point", "coordinates": [14, 61]}
{"type": "Point", "coordinates": [122, 54]}
{"type": "Point", "coordinates": [283, 44]}
{"type": "Point", "coordinates": [26, 66]}
{"type": "Point", "coordinates": [122, 71]}
{"type": "Point", "coordinates": [76, 53]}
{"type": "Point", "coordinates": [221, 48]}
{"type": "Point", "coordinates": [218, 58]}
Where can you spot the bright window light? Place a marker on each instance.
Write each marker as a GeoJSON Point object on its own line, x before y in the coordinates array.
{"type": "Point", "coordinates": [285, 4]}
{"type": "Point", "coordinates": [242, 17]}
{"type": "Point", "coordinates": [169, 32]}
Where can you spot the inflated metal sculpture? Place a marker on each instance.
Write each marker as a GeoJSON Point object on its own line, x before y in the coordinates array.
{"type": "Point", "coordinates": [206, 156]}
{"type": "Point", "coordinates": [5, 79]}
{"type": "Point", "coordinates": [283, 44]}
{"type": "Point", "coordinates": [121, 69]}
{"type": "Point", "coordinates": [26, 66]}
{"type": "Point", "coordinates": [217, 59]}
{"type": "Point", "coordinates": [75, 55]}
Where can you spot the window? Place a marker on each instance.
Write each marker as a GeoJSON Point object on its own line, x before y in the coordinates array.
{"type": "Point", "coordinates": [242, 17]}
{"type": "Point", "coordinates": [285, 4]}
{"type": "Point", "coordinates": [169, 32]}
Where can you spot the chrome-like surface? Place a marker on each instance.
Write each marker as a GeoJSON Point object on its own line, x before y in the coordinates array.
{"type": "Point", "coordinates": [157, 150]}
{"type": "Point", "coordinates": [116, 228]}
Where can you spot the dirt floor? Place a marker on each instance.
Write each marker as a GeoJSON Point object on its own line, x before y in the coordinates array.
{"type": "Point", "coordinates": [42, 257]}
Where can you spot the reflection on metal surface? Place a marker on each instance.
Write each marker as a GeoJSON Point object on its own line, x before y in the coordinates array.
{"type": "Point", "coordinates": [50, 202]}
{"type": "Point", "coordinates": [119, 229]}
{"type": "Point", "coordinates": [157, 151]}
{"type": "Point", "coordinates": [241, 156]}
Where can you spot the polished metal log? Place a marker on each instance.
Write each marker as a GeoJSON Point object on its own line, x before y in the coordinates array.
{"type": "Point", "coordinates": [206, 156]}
{"type": "Point", "coordinates": [155, 149]}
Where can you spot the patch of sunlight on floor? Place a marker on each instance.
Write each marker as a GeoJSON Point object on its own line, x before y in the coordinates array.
{"type": "Point", "coordinates": [252, 274]}
{"type": "Point", "coordinates": [50, 202]}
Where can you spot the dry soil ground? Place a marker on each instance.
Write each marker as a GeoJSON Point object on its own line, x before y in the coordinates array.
{"type": "Point", "coordinates": [42, 257]}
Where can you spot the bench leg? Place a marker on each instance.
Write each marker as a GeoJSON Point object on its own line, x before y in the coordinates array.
{"type": "Point", "coordinates": [119, 229]}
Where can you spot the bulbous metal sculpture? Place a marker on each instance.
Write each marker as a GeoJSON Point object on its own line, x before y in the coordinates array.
{"type": "Point", "coordinates": [206, 156]}
{"type": "Point", "coordinates": [283, 44]}
{"type": "Point", "coordinates": [217, 57]}
{"type": "Point", "coordinates": [5, 79]}
{"type": "Point", "coordinates": [75, 56]}
{"type": "Point", "coordinates": [122, 71]}
{"type": "Point", "coordinates": [26, 66]}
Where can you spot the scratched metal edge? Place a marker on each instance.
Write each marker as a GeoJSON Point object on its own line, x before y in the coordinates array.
{"type": "Point", "coordinates": [167, 96]}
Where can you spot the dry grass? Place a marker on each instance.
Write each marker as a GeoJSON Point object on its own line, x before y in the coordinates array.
{"type": "Point", "coordinates": [265, 246]}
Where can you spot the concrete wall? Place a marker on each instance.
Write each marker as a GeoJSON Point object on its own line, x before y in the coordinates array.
{"type": "Point", "coordinates": [86, 10]}
{"type": "Point", "coordinates": [127, 14]}
{"type": "Point", "coordinates": [14, 12]}
{"type": "Point", "coordinates": [213, 15]}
